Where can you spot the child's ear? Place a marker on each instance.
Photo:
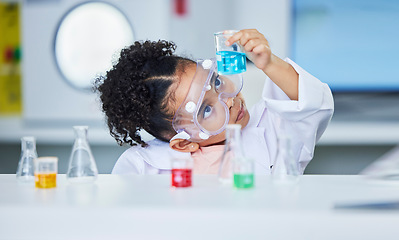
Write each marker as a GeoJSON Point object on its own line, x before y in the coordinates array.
{"type": "Point", "coordinates": [183, 145]}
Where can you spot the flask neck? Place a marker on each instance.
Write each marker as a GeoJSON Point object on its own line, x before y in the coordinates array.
{"type": "Point", "coordinates": [284, 145]}
{"type": "Point", "coordinates": [234, 141]}
{"type": "Point", "coordinates": [28, 144]}
{"type": "Point", "coordinates": [80, 133]}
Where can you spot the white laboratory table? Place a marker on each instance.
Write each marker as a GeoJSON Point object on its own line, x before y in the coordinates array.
{"type": "Point", "coordinates": [146, 207]}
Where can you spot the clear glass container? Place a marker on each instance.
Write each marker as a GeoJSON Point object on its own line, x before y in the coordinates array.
{"type": "Point", "coordinates": [82, 167]}
{"type": "Point", "coordinates": [286, 166]}
{"type": "Point", "coordinates": [182, 172]}
{"type": "Point", "coordinates": [235, 166]}
{"type": "Point", "coordinates": [230, 59]}
{"type": "Point", "coordinates": [46, 169]}
{"type": "Point", "coordinates": [25, 170]}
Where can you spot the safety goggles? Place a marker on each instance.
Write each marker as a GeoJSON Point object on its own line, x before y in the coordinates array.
{"type": "Point", "coordinates": [204, 112]}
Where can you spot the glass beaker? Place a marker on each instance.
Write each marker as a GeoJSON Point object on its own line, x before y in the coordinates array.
{"type": "Point", "coordinates": [286, 167]}
{"type": "Point", "coordinates": [230, 59]}
{"type": "Point", "coordinates": [235, 165]}
{"type": "Point", "coordinates": [25, 170]}
{"type": "Point", "coordinates": [182, 172]}
{"type": "Point", "coordinates": [82, 166]}
{"type": "Point", "coordinates": [46, 172]}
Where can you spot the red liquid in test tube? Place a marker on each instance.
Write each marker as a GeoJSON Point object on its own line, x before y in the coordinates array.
{"type": "Point", "coordinates": [181, 177]}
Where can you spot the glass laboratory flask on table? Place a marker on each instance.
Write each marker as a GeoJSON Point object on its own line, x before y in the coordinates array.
{"type": "Point", "coordinates": [82, 167]}
{"type": "Point", "coordinates": [286, 166]}
{"type": "Point", "coordinates": [25, 171]}
{"type": "Point", "coordinates": [235, 166]}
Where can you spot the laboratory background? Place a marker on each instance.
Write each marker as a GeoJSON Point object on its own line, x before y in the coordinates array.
{"type": "Point", "coordinates": [51, 50]}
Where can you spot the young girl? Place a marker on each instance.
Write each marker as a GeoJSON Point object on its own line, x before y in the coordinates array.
{"type": "Point", "coordinates": [186, 105]}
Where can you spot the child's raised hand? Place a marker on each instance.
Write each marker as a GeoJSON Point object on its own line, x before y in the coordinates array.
{"type": "Point", "coordinates": [258, 51]}
{"type": "Point", "coordinates": [256, 46]}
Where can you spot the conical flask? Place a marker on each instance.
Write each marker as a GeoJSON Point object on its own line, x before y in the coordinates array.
{"type": "Point", "coordinates": [235, 166]}
{"type": "Point", "coordinates": [286, 167]}
{"type": "Point", "coordinates": [82, 166]}
{"type": "Point", "coordinates": [25, 171]}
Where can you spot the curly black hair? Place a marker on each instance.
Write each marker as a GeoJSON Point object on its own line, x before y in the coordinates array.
{"type": "Point", "coordinates": [135, 91]}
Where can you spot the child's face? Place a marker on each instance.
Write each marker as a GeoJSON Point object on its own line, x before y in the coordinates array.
{"type": "Point", "coordinates": [237, 110]}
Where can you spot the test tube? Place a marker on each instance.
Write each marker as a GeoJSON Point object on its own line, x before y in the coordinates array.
{"type": "Point", "coordinates": [46, 172]}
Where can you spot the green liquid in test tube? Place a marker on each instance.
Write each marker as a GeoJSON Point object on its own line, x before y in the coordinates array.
{"type": "Point", "coordinates": [244, 180]}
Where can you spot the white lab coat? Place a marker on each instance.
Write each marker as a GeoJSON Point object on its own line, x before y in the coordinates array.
{"type": "Point", "coordinates": [304, 120]}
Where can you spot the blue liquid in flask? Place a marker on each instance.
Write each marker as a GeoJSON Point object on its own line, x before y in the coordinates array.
{"type": "Point", "coordinates": [231, 62]}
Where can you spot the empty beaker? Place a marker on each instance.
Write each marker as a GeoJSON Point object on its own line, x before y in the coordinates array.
{"type": "Point", "coordinates": [230, 59]}
{"type": "Point", "coordinates": [25, 170]}
{"type": "Point", "coordinates": [46, 169]}
{"type": "Point", "coordinates": [82, 166]}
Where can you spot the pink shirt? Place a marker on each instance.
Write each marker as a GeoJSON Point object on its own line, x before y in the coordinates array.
{"type": "Point", "coordinates": [207, 159]}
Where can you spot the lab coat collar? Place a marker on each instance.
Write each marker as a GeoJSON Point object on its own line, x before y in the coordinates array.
{"type": "Point", "coordinates": [158, 154]}
{"type": "Point", "coordinates": [255, 114]}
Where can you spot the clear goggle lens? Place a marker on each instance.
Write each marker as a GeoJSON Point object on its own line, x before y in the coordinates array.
{"type": "Point", "coordinates": [205, 112]}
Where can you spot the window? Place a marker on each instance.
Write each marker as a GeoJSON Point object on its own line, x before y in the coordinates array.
{"type": "Point", "coordinates": [87, 38]}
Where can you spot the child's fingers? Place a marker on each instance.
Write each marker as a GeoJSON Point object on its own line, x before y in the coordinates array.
{"type": "Point", "coordinates": [251, 44]}
{"type": "Point", "coordinates": [261, 48]}
{"type": "Point", "coordinates": [234, 38]}
{"type": "Point", "coordinates": [248, 35]}
{"type": "Point", "coordinates": [244, 36]}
